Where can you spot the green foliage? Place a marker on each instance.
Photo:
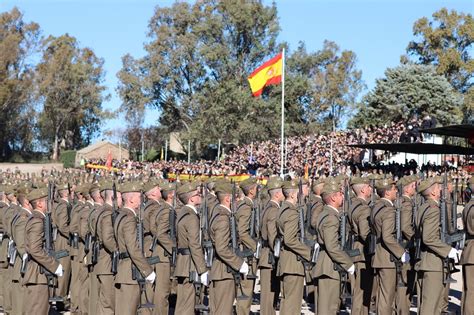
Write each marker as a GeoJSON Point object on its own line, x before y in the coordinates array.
{"type": "Point", "coordinates": [446, 42]}
{"type": "Point", "coordinates": [152, 155]}
{"type": "Point", "coordinates": [407, 91]}
{"type": "Point", "coordinates": [68, 158]}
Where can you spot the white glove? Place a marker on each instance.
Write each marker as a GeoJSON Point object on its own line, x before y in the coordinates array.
{"type": "Point", "coordinates": [453, 254]}
{"type": "Point", "coordinates": [351, 269]}
{"type": "Point", "coordinates": [405, 258]}
{"type": "Point", "coordinates": [59, 272]}
{"type": "Point", "coordinates": [151, 277]}
{"type": "Point", "coordinates": [24, 257]}
{"type": "Point", "coordinates": [205, 278]}
{"type": "Point", "coordinates": [244, 269]}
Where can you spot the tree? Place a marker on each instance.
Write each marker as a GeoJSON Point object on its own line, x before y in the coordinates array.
{"type": "Point", "coordinates": [446, 42]}
{"type": "Point", "coordinates": [18, 42]}
{"type": "Point", "coordinates": [406, 91]}
{"type": "Point", "coordinates": [71, 93]}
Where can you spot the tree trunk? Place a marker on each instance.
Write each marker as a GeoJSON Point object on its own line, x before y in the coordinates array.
{"type": "Point", "coordinates": [56, 147]}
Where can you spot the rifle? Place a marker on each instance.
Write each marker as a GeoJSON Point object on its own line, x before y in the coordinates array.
{"type": "Point", "coordinates": [235, 246]}
{"type": "Point", "coordinates": [172, 222]}
{"type": "Point", "coordinates": [204, 223]}
{"type": "Point", "coordinates": [448, 264]}
{"type": "Point", "coordinates": [49, 247]}
{"type": "Point", "coordinates": [136, 274]}
{"type": "Point", "coordinates": [398, 228]}
{"type": "Point", "coordinates": [255, 233]}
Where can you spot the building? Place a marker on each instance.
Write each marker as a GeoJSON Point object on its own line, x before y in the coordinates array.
{"type": "Point", "coordinates": [100, 150]}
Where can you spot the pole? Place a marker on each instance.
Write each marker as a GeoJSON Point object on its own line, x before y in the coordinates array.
{"type": "Point", "coordinates": [218, 150]}
{"type": "Point", "coordinates": [189, 151]}
{"type": "Point", "coordinates": [143, 146]}
{"type": "Point", "coordinates": [286, 150]}
{"type": "Point", "coordinates": [332, 139]}
{"type": "Point", "coordinates": [120, 147]}
{"type": "Point", "coordinates": [166, 150]}
{"type": "Point", "coordinates": [282, 111]}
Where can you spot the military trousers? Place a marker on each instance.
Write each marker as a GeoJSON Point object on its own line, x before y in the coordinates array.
{"type": "Point", "coordinates": [292, 294]}
{"type": "Point", "coordinates": [63, 282]}
{"type": "Point", "coordinates": [84, 292]}
{"type": "Point", "coordinates": [93, 293]}
{"type": "Point", "coordinates": [467, 302]}
{"type": "Point", "coordinates": [432, 293]}
{"type": "Point", "coordinates": [127, 298]}
{"type": "Point", "coordinates": [36, 299]}
{"type": "Point", "coordinates": [402, 298]}
{"type": "Point", "coordinates": [7, 290]}
{"type": "Point", "coordinates": [17, 298]}
{"type": "Point", "coordinates": [362, 288]}
{"type": "Point", "coordinates": [269, 291]}
{"type": "Point", "coordinates": [75, 284]}
{"type": "Point", "coordinates": [329, 299]}
{"type": "Point", "coordinates": [222, 296]}
{"type": "Point", "coordinates": [385, 299]}
{"type": "Point", "coordinates": [106, 303]}
{"type": "Point", "coordinates": [186, 297]}
{"type": "Point", "coordinates": [162, 289]}
{"type": "Point", "coordinates": [243, 305]}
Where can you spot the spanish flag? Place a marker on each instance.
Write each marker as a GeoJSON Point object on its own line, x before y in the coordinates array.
{"type": "Point", "coordinates": [268, 73]}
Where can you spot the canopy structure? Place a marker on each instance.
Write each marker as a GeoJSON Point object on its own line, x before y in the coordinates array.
{"type": "Point", "coordinates": [461, 131]}
{"type": "Point", "coordinates": [417, 148]}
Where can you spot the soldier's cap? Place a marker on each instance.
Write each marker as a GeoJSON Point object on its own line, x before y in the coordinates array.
{"type": "Point", "coordinates": [24, 189]}
{"type": "Point", "coordinates": [427, 183]}
{"type": "Point", "coordinates": [167, 186]}
{"type": "Point", "coordinates": [375, 176]}
{"type": "Point", "coordinates": [384, 183]}
{"type": "Point", "coordinates": [105, 184]}
{"type": "Point", "coordinates": [61, 185]}
{"type": "Point", "coordinates": [83, 188]}
{"type": "Point", "coordinates": [274, 183]}
{"type": "Point", "coordinates": [331, 186]}
{"type": "Point", "coordinates": [186, 188]}
{"type": "Point", "coordinates": [128, 187]}
{"type": "Point", "coordinates": [225, 188]}
{"type": "Point", "coordinates": [290, 184]}
{"type": "Point", "coordinates": [37, 194]}
{"type": "Point", "coordinates": [149, 185]}
{"type": "Point", "coordinates": [406, 180]}
{"type": "Point", "coordinates": [360, 180]}
{"type": "Point", "coordinates": [318, 181]}
{"type": "Point", "coordinates": [94, 187]}
{"type": "Point", "coordinates": [9, 189]}
{"type": "Point", "coordinates": [247, 183]}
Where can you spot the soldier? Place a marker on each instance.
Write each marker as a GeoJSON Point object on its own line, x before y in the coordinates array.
{"type": "Point", "coordinates": [431, 267]}
{"type": "Point", "coordinates": [227, 264]}
{"type": "Point", "coordinates": [293, 252]}
{"type": "Point", "coordinates": [359, 217]}
{"type": "Point", "coordinates": [408, 186]}
{"type": "Point", "coordinates": [18, 236]}
{"type": "Point", "coordinates": [190, 263]}
{"type": "Point", "coordinates": [161, 225]}
{"type": "Point", "coordinates": [269, 282]}
{"type": "Point", "coordinates": [127, 290]}
{"type": "Point", "coordinates": [3, 242]}
{"type": "Point", "coordinates": [467, 258]}
{"type": "Point", "coordinates": [242, 217]}
{"type": "Point", "coordinates": [61, 218]}
{"type": "Point", "coordinates": [39, 262]}
{"type": "Point", "coordinates": [104, 233]}
{"type": "Point", "coordinates": [333, 260]}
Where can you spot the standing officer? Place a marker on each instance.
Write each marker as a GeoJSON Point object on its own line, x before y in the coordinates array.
{"type": "Point", "coordinates": [432, 271]}
{"type": "Point", "coordinates": [246, 242]}
{"type": "Point", "coordinates": [332, 257]}
{"type": "Point", "coordinates": [467, 258]}
{"type": "Point", "coordinates": [269, 282]}
{"type": "Point", "coordinates": [190, 264]}
{"type": "Point", "coordinates": [3, 243]}
{"type": "Point", "coordinates": [226, 264]}
{"type": "Point", "coordinates": [35, 282]}
{"type": "Point", "coordinates": [359, 217]}
{"type": "Point", "coordinates": [293, 251]}
{"type": "Point", "coordinates": [127, 291]}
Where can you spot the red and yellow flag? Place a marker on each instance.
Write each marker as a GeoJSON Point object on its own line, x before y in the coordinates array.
{"type": "Point", "coordinates": [268, 73]}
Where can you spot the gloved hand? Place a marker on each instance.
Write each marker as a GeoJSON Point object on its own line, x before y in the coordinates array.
{"type": "Point", "coordinates": [151, 277]}
{"type": "Point", "coordinates": [351, 269]}
{"type": "Point", "coordinates": [244, 269]}
{"type": "Point", "coordinates": [453, 254]}
{"type": "Point", "coordinates": [24, 257]}
{"type": "Point", "coordinates": [59, 272]}
{"type": "Point", "coordinates": [205, 278]}
{"type": "Point", "coordinates": [405, 258]}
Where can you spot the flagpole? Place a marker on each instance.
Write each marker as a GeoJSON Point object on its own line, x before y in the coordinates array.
{"type": "Point", "coordinates": [282, 111]}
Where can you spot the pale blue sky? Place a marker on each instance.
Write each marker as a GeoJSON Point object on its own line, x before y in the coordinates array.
{"type": "Point", "coordinates": [377, 31]}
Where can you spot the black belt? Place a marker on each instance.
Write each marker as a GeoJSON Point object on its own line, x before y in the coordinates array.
{"type": "Point", "coordinates": [147, 234]}
{"type": "Point", "coordinates": [184, 251]}
{"type": "Point", "coordinates": [265, 244]}
{"type": "Point", "coordinates": [124, 255]}
{"type": "Point", "coordinates": [469, 237]}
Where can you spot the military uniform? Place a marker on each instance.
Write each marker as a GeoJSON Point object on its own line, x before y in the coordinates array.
{"type": "Point", "coordinates": [83, 276]}
{"type": "Point", "coordinates": [3, 250]}
{"type": "Point", "coordinates": [7, 270]}
{"type": "Point", "coordinates": [467, 259]}
{"type": "Point", "coordinates": [290, 265]}
{"type": "Point", "coordinates": [75, 256]}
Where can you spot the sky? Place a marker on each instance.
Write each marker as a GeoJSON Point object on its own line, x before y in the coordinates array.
{"type": "Point", "coordinates": [378, 31]}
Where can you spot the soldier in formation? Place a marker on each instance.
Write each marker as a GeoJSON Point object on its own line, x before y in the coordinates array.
{"type": "Point", "coordinates": [116, 245]}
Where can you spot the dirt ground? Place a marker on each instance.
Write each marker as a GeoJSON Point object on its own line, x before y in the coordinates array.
{"type": "Point", "coordinates": [30, 167]}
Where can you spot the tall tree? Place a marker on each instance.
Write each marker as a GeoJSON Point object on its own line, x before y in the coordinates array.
{"type": "Point", "coordinates": [71, 93]}
{"type": "Point", "coordinates": [446, 42]}
{"type": "Point", "coordinates": [18, 43]}
{"type": "Point", "coordinates": [407, 91]}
